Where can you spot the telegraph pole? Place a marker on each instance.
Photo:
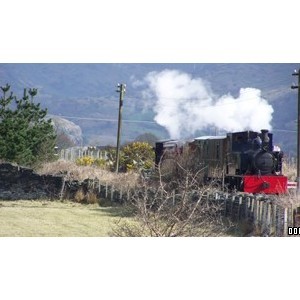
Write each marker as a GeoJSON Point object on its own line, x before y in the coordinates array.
{"type": "Point", "coordinates": [296, 73]}
{"type": "Point", "coordinates": [121, 88]}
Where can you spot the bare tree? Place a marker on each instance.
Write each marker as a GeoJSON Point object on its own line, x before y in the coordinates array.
{"type": "Point", "coordinates": [172, 208]}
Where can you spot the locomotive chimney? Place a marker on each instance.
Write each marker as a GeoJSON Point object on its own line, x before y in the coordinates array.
{"type": "Point", "coordinates": [265, 139]}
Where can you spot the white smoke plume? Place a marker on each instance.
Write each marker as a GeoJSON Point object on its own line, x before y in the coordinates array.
{"type": "Point", "coordinates": [184, 105]}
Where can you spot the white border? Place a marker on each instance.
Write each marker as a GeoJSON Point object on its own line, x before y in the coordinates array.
{"type": "Point", "coordinates": [149, 31]}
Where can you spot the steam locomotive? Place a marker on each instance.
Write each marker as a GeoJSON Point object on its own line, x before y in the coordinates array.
{"type": "Point", "coordinates": [245, 161]}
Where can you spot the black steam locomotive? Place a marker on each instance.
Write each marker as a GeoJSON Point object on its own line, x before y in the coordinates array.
{"type": "Point", "coordinates": [246, 161]}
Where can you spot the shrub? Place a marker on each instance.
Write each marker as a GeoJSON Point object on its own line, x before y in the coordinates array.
{"type": "Point", "coordinates": [101, 163]}
{"type": "Point", "coordinates": [91, 198]}
{"type": "Point", "coordinates": [137, 156]}
{"type": "Point", "coordinates": [85, 161]}
{"type": "Point", "coordinates": [79, 196]}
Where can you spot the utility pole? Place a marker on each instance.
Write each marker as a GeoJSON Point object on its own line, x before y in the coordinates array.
{"type": "Point", "coordinates": [121, 88]}
{"type": "Point", "coordinates": [296, 73]}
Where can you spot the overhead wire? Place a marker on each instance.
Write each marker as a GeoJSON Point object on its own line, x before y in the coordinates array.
{"type": "Point", "coordinates": [136, 97]}
{"type": "Point", "coordinates": [103, 119]}
{"type": "Point", "coordinates": [129, 97]}
{"type": "Point", "coordinates": [140, 121]}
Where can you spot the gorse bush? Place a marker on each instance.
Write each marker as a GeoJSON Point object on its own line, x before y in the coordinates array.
{"type": "Point", "coordinates": [101, 163]}
{"type": "Point", "coordinates": [85, 161]}
{"type": "Point", "coordinates": [90, 161]}
{"type": "Point", "coordinates": [137, 156]}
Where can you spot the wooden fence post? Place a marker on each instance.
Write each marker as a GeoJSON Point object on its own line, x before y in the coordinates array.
{"type": "Point", "coordinates": [290, 218]}
{"type": "Point", "coordinates": [247, 202]}
{"type": "Point", "coordinates": [239, 208]}
{"type": "Point", "coordinates": [260, 211]}
{"type": "Point", "coordinates": [121, 194]}
{"type": "Point", "coordinates": [112, 193]}
{"type": "Point", "coordinates": [62, 189]}
{"type": "Point", "coordinates": [173, 197]}
{"type": "Point", "coordinates": [99, 187]}
{"type": "Point", "coordinates": [128, 194]}
{"type": "Point", "coordinates": [261, 216]}
{"type": "Point", "coordinates": [265, 228]}
{"type": "Point", "coordinates": [231, 206]}
{"type": "Point", "coordinates": [225, 204]}
{"type": "Point", "coordinates": [72, 154]}
{"type": "Point", "coordinates": [285, 221]}
{"type": "Point", "coordinates": [274, 219]}
{"type": "Point", "coordinates": [106, 190]}
{"type": "Point", "coordinates": [256, 212]}
{"type": "Point", "coordinates": [269, 209]}
{"type": "Point", "coordinates": [264, 217]}
{"type": "Point", "coordinates": [296, 217]}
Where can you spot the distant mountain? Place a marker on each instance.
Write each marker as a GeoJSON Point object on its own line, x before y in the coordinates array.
{"type": "Point", "coordinates": [85, 94]}
{"type": "Point", "coordinates": [71, 130]}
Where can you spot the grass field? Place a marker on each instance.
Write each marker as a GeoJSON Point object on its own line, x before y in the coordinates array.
{"type": "Point", "coordinates": [56, 219]}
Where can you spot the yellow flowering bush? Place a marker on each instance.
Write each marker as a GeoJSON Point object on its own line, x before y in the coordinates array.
{"type": "Point", "coordinates": [137, 156]}
{"type": "Point", "coordinates": [85, 161]}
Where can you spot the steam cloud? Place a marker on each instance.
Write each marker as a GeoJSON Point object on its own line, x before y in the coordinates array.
{"type": "Point", "coordinates": [184, 105]}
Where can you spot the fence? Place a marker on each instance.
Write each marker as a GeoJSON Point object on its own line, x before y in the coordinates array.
{"type": "Point", "coordinates": [100, 189]}
{"type": "Point", "coordinates": [71, 154]}
{"type": "Point", "coordinates": [268, 217]}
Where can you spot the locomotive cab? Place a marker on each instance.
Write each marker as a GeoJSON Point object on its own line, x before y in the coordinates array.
{"type": "Point", "coordinates": [254, 153]}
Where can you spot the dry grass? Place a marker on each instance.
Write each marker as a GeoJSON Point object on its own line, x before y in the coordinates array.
{"type": "Point", "coordinates": [289, 169]}
{"type": "Point", "coordinates": [75, 172]}
{"type": "Point", "coordinates": [288, 200]}
{"type": "Point", "coordinates": [56, 219]}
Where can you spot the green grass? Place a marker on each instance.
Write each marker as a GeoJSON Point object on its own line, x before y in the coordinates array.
{"type": "Point", "coordinates": [57, 219]}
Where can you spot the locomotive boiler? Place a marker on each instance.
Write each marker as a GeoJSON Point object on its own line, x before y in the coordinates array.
{"type": "Point", "coordinates": [245, 161]}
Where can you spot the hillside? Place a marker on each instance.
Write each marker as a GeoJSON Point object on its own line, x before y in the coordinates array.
{"type": "Point", "coordinates": [85, 93]}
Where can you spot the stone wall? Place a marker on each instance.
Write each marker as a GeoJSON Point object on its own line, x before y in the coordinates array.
{"type": "Point", "coordinates": [17, 183]}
